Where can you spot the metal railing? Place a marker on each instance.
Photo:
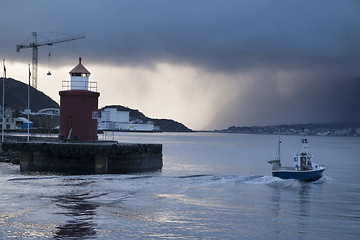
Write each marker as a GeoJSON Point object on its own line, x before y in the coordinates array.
{"type": "Point", "coordinates": [79, 85]}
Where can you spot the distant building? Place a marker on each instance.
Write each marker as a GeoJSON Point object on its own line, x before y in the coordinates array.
{"type": "Point", "coordinates": [10, 122]}
{"type": "Point", "coordinates": [49, 112]}
{"type": "Point", "coordinates": [23, 123]}
{"type": "Point", "coordinates": [47, 118]}
{"type": "Point", "coordinates": [112, 119]}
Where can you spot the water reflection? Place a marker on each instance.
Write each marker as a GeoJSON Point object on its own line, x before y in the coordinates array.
{"type": "Point", "coordinates": [81, 211]}
{"type": "Point", "coordinates": [304, 207]}
{"type": "Point", "coordinates": [304, 199]}
{"type": "Point", "coordinates": [289, 196]}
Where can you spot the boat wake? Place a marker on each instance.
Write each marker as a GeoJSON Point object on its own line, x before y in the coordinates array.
{"type": "Point", "coordinates": [229, 179]}
{"type": "Point", "coordinates": [138, 182]}
{"type": "Point", "coordinates": [264, 180]}
{"type": "Point", "coordinates": [237, 179]}
{"type": "Point", "coordinates": [323, 179]}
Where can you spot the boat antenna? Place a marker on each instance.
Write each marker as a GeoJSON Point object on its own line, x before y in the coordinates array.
{"type": "Point", "coordinates": [278, 150]}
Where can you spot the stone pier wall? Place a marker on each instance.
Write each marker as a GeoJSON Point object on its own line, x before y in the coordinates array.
{"type": "Point", "coordinates": [87, 157]}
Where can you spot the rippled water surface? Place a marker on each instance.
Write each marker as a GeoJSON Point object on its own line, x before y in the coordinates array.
{"type": "Point", "coordinates": [212, 186]}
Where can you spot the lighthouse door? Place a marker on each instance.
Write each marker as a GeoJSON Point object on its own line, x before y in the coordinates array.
{"type": "Point", "coordinates": [69, 126]}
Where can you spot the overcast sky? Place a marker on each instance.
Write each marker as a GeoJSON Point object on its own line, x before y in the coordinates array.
{"type": "Point", "coordinates": [208, 64]}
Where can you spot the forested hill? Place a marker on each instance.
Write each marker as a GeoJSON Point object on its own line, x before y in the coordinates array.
{"type": "Point", "coordinates": [16, 95]}
{"type": "Point", "coordinates": [166, 125]}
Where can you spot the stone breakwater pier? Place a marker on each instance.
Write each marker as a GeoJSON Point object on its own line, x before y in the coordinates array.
{"type": "Point", "coordinates": [99, 157]}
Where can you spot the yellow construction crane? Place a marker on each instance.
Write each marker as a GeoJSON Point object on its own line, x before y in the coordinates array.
{"type": "Point", "coordinates": [35, 44]}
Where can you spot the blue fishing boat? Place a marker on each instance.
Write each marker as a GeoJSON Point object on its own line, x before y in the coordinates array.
{"type": "Point", "coordinates": [304, 169]}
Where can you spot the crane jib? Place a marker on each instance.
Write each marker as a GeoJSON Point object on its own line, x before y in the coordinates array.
{"type": "Point", "coordinates": [34, 45]}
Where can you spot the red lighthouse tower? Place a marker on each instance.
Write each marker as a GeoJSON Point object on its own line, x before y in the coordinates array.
{"type": "Point", "coordinates": [79, 107]}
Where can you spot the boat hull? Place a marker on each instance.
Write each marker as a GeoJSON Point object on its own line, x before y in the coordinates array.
{"type": "Point", "coordinates": [306, 175]}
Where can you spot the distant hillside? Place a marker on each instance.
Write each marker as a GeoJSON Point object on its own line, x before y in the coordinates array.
{"type": "Point", "coordinates": [334, 129]}
{"type": "Point", "coordinates": [166, 125]}
{"type": "Point", "coordinates": [16, 96]}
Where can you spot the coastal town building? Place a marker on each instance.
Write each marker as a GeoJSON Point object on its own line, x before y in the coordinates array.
{"type": "Point", "coordinates": [12, 122]}
{"type": "Point", "coordinates": [9, 121]}
{"type": "Point", "coordinates": [115, 120]}
{"type": "Point", "coordinates": [23, 123]}
{"type": "Point", "coordinates": [47, 118]}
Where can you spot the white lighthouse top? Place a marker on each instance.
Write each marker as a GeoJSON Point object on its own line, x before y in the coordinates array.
{"type": "Point", "coordinates": [79, 77]}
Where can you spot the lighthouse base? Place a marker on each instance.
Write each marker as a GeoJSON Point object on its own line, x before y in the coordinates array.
{"type": "Point", "coordinates": [78, 115]}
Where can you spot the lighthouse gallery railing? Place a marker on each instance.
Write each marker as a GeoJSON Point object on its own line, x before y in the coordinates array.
{"type": "Point", "coordinates": [79, 85]}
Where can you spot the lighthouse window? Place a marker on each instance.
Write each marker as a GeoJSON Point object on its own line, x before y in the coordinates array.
{"type": "Point", "coordinates": [84, 75]}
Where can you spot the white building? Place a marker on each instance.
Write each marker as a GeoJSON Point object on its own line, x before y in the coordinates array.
{"type": "Point", "coordinates": [9, 121]}
{"type": "Point", "coordinates": [112, 119]}
{"type": "Point", "coordinates": [49, 112]}
{"type": "Point", "coordinates": [113, 115]}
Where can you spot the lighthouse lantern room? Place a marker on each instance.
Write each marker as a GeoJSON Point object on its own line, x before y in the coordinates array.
{"type": "Point", "coordinates": [79, 77]}
{"type": "Point", "coordinates": [78, 108]}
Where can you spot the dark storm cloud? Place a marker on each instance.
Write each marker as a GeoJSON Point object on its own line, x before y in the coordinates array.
{"type": "Point", "coordinates": [213, 34]}
{"type": "Point", "coordinates": [228, 36]}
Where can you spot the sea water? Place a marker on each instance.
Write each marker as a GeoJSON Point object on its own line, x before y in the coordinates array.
{"type": "Point", "coordinates": [212, 186]}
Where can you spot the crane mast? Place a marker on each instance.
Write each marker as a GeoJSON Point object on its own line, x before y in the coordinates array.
{"type": "Point", "coordinates": [35, 44]}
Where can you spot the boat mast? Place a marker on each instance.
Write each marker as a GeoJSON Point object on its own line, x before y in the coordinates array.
{"type": "Point", "coordinates": [276, 163]}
